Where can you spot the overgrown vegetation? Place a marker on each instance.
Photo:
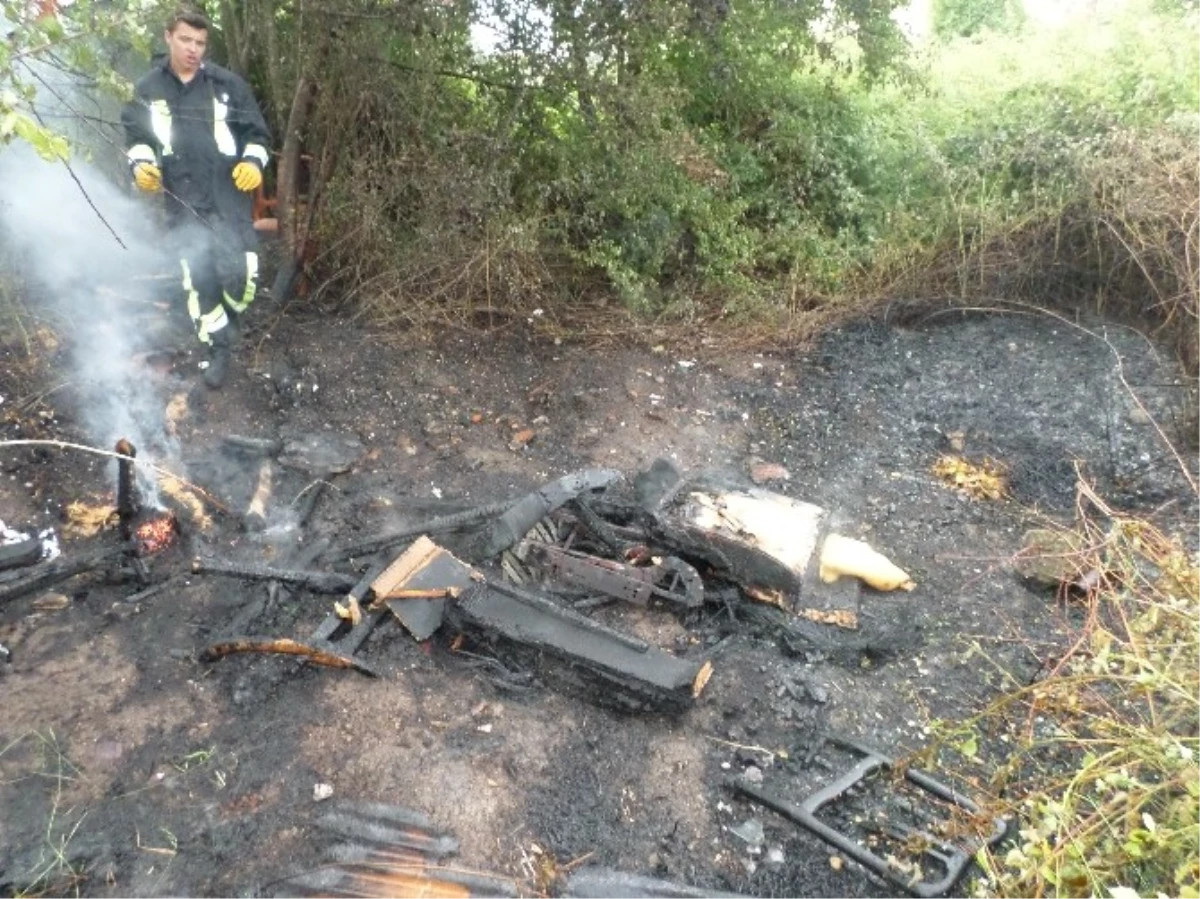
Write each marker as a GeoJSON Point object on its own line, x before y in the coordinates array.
{"type": "Point", "coordinates": [1055, 174]}
{"type": "Point", "coordinates": [1097, 760]}
{"type": "Point", "coordinates": [765, 163]}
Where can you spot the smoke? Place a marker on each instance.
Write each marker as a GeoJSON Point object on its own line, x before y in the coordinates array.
{"type": "Point", "coordinates": [92, 260]}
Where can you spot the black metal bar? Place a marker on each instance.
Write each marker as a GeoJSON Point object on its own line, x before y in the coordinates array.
{"type": "Point", "coordinates": [954, 859]}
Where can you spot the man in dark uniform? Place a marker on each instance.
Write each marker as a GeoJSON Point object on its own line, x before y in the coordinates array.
{"type": "Point", "coordinates": [195, 133]}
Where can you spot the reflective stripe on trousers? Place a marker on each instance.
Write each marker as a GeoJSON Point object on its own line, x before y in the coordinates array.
{"type": "Point", "coordinates": [209, 322]}
{"type": "Point", "coordinates": [249, 290]}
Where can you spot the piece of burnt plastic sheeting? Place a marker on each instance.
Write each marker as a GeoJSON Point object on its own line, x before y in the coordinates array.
{"type": "Point", "coordinates": [596, 883]}
{"type": "Point", "coordinates": [528, 511]}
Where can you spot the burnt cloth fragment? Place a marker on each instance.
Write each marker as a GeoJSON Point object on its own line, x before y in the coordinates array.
{"type": "Point", "coordinates": [578, 655]}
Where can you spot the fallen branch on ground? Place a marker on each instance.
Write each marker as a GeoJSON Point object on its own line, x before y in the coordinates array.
{"type": "Point", "coordinates": [49, 573]}
{"type": "Point", "coordinates": [285, 646]}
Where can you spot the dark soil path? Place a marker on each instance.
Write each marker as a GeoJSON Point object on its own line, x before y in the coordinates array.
{"type": "Point", "coordinates": [128, 768]}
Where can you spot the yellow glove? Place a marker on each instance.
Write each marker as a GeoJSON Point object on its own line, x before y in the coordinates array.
{"type": "Point", "coordinates": [247, 176]}
{"type": "Point", "coordinates": [147, 177]}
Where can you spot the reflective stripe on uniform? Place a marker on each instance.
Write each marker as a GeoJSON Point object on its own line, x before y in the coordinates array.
{"type": "Point", "coordinates": [251, 288]}
{"type": "Point", "coordinates": [193, 298]}
{"type": "Point", "coordinates": [226, 145]}
{"type": "Point", "coordinates": [258, 153]}
{"type": "Point", "coordinates": [141, 153]}
{"type": "Point", "coordinates": [209, 322]}
{"type": "Point", "coordinates": [160, 124]}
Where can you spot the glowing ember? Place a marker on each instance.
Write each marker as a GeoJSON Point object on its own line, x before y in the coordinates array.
{"type": "Point", "coordinates": [155, 534]}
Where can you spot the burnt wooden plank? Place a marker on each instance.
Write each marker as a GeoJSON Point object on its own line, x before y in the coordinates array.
{"type": "Point", "coordinates": [580, 656]}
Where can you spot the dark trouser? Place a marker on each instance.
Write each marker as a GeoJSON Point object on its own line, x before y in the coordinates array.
{"type": "Point", "coordinates": [220, 279]}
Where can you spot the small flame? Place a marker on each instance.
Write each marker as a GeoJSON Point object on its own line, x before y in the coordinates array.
{"type": "Point", "coordinates": [155, 534]}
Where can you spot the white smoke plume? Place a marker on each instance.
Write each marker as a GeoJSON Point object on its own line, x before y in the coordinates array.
{"type": "Point", "coordinates": [94, 266]}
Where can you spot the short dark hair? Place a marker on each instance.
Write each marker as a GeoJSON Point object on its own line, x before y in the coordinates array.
{"type": "Point", "coordinates": [192, 17]}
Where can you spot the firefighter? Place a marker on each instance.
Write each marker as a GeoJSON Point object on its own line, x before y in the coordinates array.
{"type": "Point", "coordinates": [196, 134]}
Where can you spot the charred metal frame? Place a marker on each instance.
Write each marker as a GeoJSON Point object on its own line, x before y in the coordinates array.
{"type": "Point", "coordinates": [955, 859]}
{"type": "Point", "coordinates": [631, 583]}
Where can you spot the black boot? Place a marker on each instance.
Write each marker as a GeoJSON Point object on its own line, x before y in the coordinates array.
{"type": "Point", "coordinates": [218, 367]}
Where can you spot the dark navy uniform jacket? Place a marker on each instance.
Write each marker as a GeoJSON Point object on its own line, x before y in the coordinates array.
{"type": "Point", "coordinates": [196, 133]}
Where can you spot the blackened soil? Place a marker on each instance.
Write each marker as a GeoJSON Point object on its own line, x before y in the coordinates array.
{"type": "Point", "coordinates": [129, 768]}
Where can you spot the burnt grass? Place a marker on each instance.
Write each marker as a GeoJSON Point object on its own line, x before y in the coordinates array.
{"type": "Point", "coordinates": [130, 768]}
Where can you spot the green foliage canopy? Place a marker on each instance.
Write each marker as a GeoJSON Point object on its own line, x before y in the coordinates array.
{"type": "Point", "coordinates": [968, 18]}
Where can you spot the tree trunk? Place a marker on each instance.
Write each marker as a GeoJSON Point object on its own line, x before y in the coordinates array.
{"type": "Point", "coordinates": [287, 190]}
{"type": "Point", "coordinates": [237, 28]}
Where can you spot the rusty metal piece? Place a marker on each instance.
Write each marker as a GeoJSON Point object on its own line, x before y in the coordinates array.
{"type": "Point", "coordinates": [953, 859]}
{"type": "Point", "coordinates": [673, 579]}
{"type": "Point", "coordinates": [328, 658]}
{"type": "Point", "coordinates": [127, 498]}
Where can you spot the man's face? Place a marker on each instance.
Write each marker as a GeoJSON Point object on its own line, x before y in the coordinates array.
{"type": "Point", "coordinates": [187, 45]}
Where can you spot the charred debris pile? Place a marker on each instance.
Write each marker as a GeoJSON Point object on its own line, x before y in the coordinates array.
{"type": "Point", "coordinates": [541, 583]}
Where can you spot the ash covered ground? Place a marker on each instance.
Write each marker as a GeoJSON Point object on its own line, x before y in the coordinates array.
{"type": "Point", "coordinates": [130, 768]}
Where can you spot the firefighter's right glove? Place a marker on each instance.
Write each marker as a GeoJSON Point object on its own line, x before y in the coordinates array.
{"type": "Point", "coordinates": [147, 177]}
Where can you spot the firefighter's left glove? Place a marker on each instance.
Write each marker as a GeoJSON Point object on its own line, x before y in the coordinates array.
{"type": "Point", "coordinates": [247, 176]}
{"type": "Point", "coordinates": [147, 177]}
